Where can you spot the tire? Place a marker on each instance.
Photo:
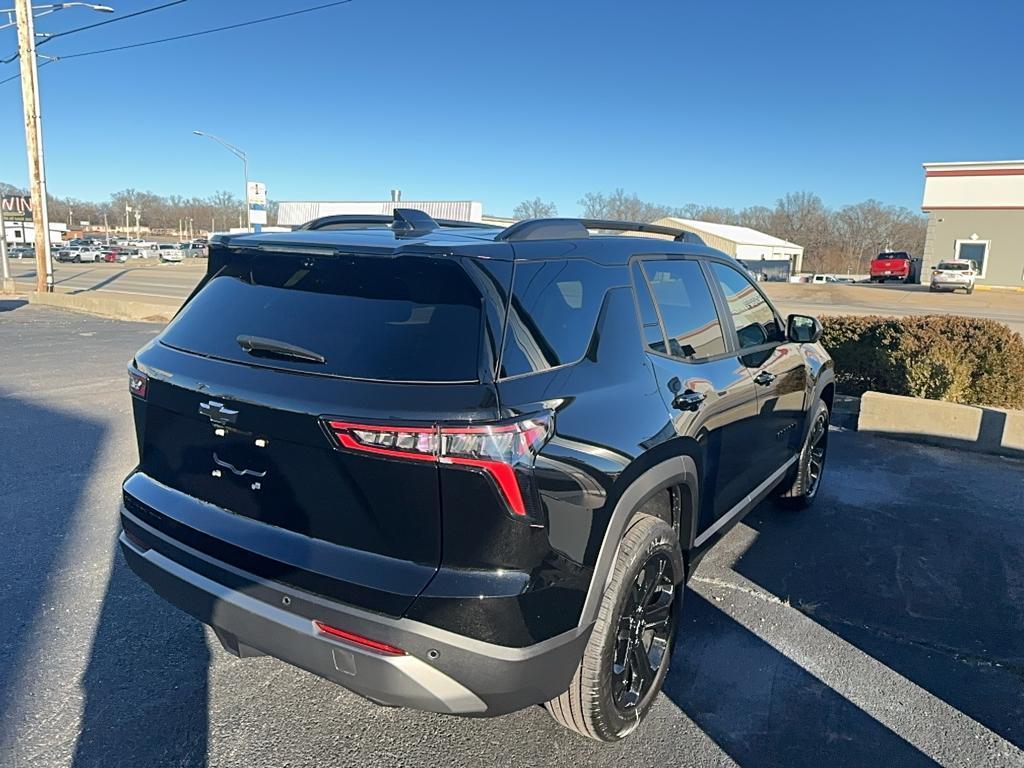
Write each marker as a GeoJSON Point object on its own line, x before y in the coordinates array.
{"type": "Point", "coordinates": [810, 467]}
{"type": "Point", "coordinates": [599, 704]}
{"type": "Point", "coordinates": [970, 290]}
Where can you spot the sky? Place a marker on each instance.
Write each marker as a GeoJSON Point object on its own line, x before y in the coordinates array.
{"type": "Point", "coordinates": [717, 103]}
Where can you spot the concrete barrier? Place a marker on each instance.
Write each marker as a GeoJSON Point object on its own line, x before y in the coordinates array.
{"type": "Point", "coordinates": [107, 306]}
{"type": "Point", "coordinates": [969, 427]}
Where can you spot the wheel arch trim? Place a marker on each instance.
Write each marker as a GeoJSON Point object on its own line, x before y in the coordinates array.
{"type": "Point", "coordinates": [675, 471]}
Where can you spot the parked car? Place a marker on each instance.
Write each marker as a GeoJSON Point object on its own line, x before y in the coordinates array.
{"type": "Point", "coordinates": [891, 265]}
{"type": "Point", "coordinates": [22, 252]}
{"type": "Point", "coordinates": [194, 250]}
{"type": "Point", "coordinates": [115, 255]}
{"type": "Point", "coordinates": [489, 490]}
{"type": "Point", "coordinates": [169, 252]}
{"type": "Point", "coordinates": [954, 274]}
{"type": "Point", "coordinates": [78, 253]}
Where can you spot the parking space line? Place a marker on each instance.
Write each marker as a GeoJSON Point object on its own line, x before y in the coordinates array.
{"type": "Point", "coordinates": [791, 638]}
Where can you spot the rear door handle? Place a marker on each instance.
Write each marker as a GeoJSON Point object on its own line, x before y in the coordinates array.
{"type": "Point", "coordinates": [764, 378]}
{"type": "Point", "coordinates": [688, 401]}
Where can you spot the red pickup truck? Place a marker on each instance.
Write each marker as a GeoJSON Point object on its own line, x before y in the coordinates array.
{"type": "Point", "coordinates": [893, 265]}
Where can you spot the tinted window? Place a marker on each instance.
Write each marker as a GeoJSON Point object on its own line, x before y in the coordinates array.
{"type": "Point", "coordinates": [687, 309]}
{"type": "Point", "coordinates": [753, 317]}
{"type": "Point", "coordinates": [394, 319]}
{"type": "Point", "coordinates": [653, 336]}
{"type": "Point", "coordinates": [553, 313]}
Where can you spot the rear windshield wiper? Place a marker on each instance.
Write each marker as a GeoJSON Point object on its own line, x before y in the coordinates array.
{"type": "Point", "coordinates": [257, 345]}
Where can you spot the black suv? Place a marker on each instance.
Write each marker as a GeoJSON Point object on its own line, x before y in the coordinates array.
{"type": "Point", "coordinates": [465, 469]}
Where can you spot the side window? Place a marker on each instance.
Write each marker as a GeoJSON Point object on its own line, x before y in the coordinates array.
{"type": "Point", "coordinates": [753, 317]}
{"type": "Point", "coordinates": [687, 309]}
{"type": "Point", "coordinates": [654, 338]}
{"type": "Point", "coordinates": [553, 313]}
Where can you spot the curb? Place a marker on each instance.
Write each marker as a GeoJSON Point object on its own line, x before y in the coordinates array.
{"type": "Point", "coordinates": [116, 309]}
{"type": "Point", "coordinates": [951, 425]}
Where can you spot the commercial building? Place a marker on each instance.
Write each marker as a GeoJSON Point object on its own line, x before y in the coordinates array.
{"type": "Point", "coordinates": [24, 232]}
{"type": "Point", "coordinates": [293, 213]}
{"type": "Point", "coordinates": [976, 211]}
{"type": "Point", "coordinates": [765, 255]}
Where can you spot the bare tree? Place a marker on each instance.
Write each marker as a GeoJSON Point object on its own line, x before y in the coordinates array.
{"type": "Point", "coordinates": [534, 209]}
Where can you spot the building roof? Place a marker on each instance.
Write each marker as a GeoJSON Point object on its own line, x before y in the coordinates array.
{"type": "Point", "coordinates": [965, 168]}
{"type": "Point", "coordinates": [731, 232]}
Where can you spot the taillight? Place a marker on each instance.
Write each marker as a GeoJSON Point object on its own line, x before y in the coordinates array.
{"type": "Point", "coordinates": [505, 451]}
{"type": "Point", "coordinates": [364, 642]}
{"type": "Point", "coordinates": [138, 382]}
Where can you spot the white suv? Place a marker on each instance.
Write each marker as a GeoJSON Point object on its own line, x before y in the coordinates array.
{"type": "Point", "coordinates": [953, 274]}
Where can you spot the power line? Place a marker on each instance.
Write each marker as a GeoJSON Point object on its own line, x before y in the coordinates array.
{"type": "Point", "coordinates": [54, 36]}
{"type": "Point", "coordinates": [207, 31]}
{"type": "Point", "coordinates": [176, 37]}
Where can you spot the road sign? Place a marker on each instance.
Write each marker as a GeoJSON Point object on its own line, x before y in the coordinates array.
{"type": "Point", "coordinates": [256, 192]}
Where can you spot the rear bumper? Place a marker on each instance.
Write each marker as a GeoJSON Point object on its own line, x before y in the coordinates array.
{"type": "Point", "coordinates": [440, 672]}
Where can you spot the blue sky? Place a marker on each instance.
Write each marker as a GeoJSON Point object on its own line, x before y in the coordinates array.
{"type": "Point", "coordinates": [720, 103]}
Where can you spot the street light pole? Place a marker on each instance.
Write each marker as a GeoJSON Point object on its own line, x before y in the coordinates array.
{"type": "Point", "coordinates": [245, 170]}
{"type": "Point", "coordinates": [8, 284]}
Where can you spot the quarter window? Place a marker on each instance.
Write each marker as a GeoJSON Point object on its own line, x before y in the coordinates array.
{"type": "Point", "coordinates": [553, 313]}
{"type": "Point", "coordinates": [752, 315]}
{"type": "Point", "coordinates": [687, 309]}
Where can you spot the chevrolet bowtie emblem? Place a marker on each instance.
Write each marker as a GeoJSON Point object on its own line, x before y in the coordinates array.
{"type": "Point", "coordinates": [217, 413]}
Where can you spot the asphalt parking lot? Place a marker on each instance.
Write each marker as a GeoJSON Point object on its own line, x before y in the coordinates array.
{"type": "Point", "coordinates": [884, 626]}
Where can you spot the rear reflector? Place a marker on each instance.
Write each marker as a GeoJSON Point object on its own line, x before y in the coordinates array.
{"type": "Point", "coordinates": [138, 382]}
{"type": "Point", "coordinates": [362, 642]}
{"type": "Point", "coordinates": [497, 449]}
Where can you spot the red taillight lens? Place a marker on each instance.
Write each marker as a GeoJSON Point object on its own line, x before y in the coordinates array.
{"type": "Point", "coordinates": [138, 382]}
{"type": "Point", "coordinates": [498, 449]}
{"type": "Point", "coordinates": [362, 642]}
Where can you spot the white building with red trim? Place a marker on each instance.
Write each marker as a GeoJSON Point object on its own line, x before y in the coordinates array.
{"type": "Point", "coordinates": [976, 211]}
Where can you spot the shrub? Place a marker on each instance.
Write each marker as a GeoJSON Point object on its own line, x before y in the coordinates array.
{"type": "Point", "coordinates": [942, 357]}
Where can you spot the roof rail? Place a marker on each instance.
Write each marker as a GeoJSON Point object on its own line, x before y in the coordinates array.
{"type": "Point", "coordinates": [357, 220]}
{"type": "Point", "coordinates": [572, 229]}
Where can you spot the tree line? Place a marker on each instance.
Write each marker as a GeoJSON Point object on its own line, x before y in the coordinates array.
{"type": "Point", "coordinates": [836, 240]}
{"type": "Point", "coordinates": [221, 210]}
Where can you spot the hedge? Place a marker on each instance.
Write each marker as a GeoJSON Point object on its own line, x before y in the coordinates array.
{"type": "Point", "coordinates": [941, 357]}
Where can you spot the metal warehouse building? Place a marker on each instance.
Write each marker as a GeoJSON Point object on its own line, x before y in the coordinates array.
{"type": "Point", "coordinates": [294, 213]}
{"type": "Point", "coordinates": [976, 211]}
{"type": "Point", "coordinates": [772, 257]}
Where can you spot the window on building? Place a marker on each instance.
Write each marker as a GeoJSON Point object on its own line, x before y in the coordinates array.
{"type": "Point", "coordinates": [687, 309]}
{"type": "Point", "coordinates": [974, 250]}
{"type": "Point", "coordinates": [753, 317]}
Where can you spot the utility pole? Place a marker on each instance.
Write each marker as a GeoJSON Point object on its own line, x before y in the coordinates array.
{"type": "Point", "coordinates": [106, 228]}
{"type": "Point", "coordinates": [127, 229]}
{"type": "Point", "coordinates": [34, 143]}
{"type": "Point", "coordinates": [138, 228]}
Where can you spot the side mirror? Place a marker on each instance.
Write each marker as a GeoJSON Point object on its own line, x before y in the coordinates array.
{"type": "Point", "coordinates": [803, 329]}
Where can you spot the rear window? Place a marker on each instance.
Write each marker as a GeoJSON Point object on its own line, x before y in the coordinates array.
{"type": "Point", "coordinates": [954, 266]}
{"type": "Point", "coordinates": [893, 255]}
{"type": "Point", "coordinates": [409, 318]}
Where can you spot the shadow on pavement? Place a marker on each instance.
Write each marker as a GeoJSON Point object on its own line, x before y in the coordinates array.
{"type": "Point", "coordinates": [8, 305]}
{"type": "Point", "coordinates": [145, 686]}
{"type": "Point", "coordinates": [36, 517]}
{"type": "Point", "coordinates": [765, 710]}
{"type": "Point", "coordinates": [915, 556]}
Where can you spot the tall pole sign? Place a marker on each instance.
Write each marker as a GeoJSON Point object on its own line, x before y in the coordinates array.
{"type": "Point", "coordinates": [256, 199]}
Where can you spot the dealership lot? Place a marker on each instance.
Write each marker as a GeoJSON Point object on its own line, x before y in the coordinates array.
{"type": "Point", "coordinates": [886, 620]}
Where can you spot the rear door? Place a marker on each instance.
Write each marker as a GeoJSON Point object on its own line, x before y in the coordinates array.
{"type": "Point", "coordinates": [776, 366]}
{"type": "Point", "coordinates": [245, 426]}
{"type": "Point", "coordinates": [709, 390]}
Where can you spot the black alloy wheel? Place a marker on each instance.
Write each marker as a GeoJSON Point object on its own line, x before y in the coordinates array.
{"type": "Point", "coordinates": [645, 630]}
{"type": "Point", "coordinates": [817, 447]}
